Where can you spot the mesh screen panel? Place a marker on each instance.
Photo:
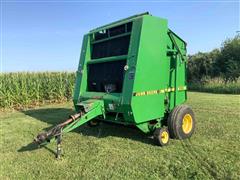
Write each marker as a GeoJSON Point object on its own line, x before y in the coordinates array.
{"type": "Point", "coordinates": [102, 74]}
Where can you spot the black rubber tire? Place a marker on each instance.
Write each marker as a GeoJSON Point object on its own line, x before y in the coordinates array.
{"type": "Point", "coordinates": [175, 122]}
{"type": "Point", "coordinates": [93, 123]}
{"type": "Point", "coordinates": [157, 135]}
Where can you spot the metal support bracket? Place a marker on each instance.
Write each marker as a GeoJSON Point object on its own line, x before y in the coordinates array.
{"type": "Point", "coordinates": [59, 140]}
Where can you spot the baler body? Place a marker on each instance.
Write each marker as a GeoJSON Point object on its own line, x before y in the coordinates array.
{"type": "Point", "coordinates": [136, 66]}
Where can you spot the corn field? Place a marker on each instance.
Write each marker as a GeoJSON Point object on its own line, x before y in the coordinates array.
{"type": "Point", "coordinates": [26, 89]}
{"type": "Point", "coordinates": [20, 90]}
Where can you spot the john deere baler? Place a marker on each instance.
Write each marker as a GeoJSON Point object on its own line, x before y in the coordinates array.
{"type": "Point", "coordinates": [131, 72]}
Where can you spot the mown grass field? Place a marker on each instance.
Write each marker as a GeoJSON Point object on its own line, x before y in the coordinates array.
{"type": "Point", "coordinates": [117, 152]}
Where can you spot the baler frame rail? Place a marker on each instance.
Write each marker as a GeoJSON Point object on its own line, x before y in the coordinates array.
{"type": "Point", "coordinates": [88, 110]}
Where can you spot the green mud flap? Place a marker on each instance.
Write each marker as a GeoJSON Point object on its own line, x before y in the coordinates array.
{"type": "Point", "coordinates": [91, 108]}
{"type": "Point", "coordinates": [144, 127]}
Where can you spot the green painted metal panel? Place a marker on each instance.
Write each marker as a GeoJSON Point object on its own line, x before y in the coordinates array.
{"type": "Point", "coordinates": [94, 109]}
{"type": "Point", "coordinates": [113, 58]}
{"type": "Point", "coordinates": [154, 75]}
{"type": "Point", "coordinates": [130, 73]}
{"type": "Point", "coordinates": [151, 70]}
{"type": "Point", "coordinates": [179, 70]}
{"type": "Point", "coordinates": [81, 72]}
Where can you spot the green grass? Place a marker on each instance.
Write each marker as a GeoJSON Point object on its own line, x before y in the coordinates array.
{"type": "Point", "coordinates": [117, 152]}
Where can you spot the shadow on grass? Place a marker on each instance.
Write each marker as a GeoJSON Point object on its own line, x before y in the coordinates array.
{"type": "Point", "coordinates": [33, 146]}
{"type": "Point", "coordinates": [55, 116]}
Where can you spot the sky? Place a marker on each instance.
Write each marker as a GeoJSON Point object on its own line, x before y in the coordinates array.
{"type": "Point", "coordinates": [46, 35]}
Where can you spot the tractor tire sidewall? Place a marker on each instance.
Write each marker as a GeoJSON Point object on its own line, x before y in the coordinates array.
{"type": "Point", "coordinates": [179, 121]}
{"type": "Point", "coordinates": [175, 122]}
{"type": "Point", "coordinates": [171, 121]}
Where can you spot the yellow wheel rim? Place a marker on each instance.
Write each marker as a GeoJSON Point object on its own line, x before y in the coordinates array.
{"type": "Point", "coordinates": [164, 137]}
{"type": "Point", "coordinates": [187, 123]}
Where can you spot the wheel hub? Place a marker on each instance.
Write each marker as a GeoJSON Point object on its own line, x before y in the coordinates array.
{"type": "Point", "coordinates": [164, 137]}
{"type": "Point", "coordinates": [187, 123]}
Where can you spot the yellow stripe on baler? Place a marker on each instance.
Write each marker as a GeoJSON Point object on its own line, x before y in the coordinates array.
{"type": "Point", "coordinates": [160, 91]}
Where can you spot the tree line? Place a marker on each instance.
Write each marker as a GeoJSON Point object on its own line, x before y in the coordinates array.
{"type": "Point", "coordinates": [223, 62]}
